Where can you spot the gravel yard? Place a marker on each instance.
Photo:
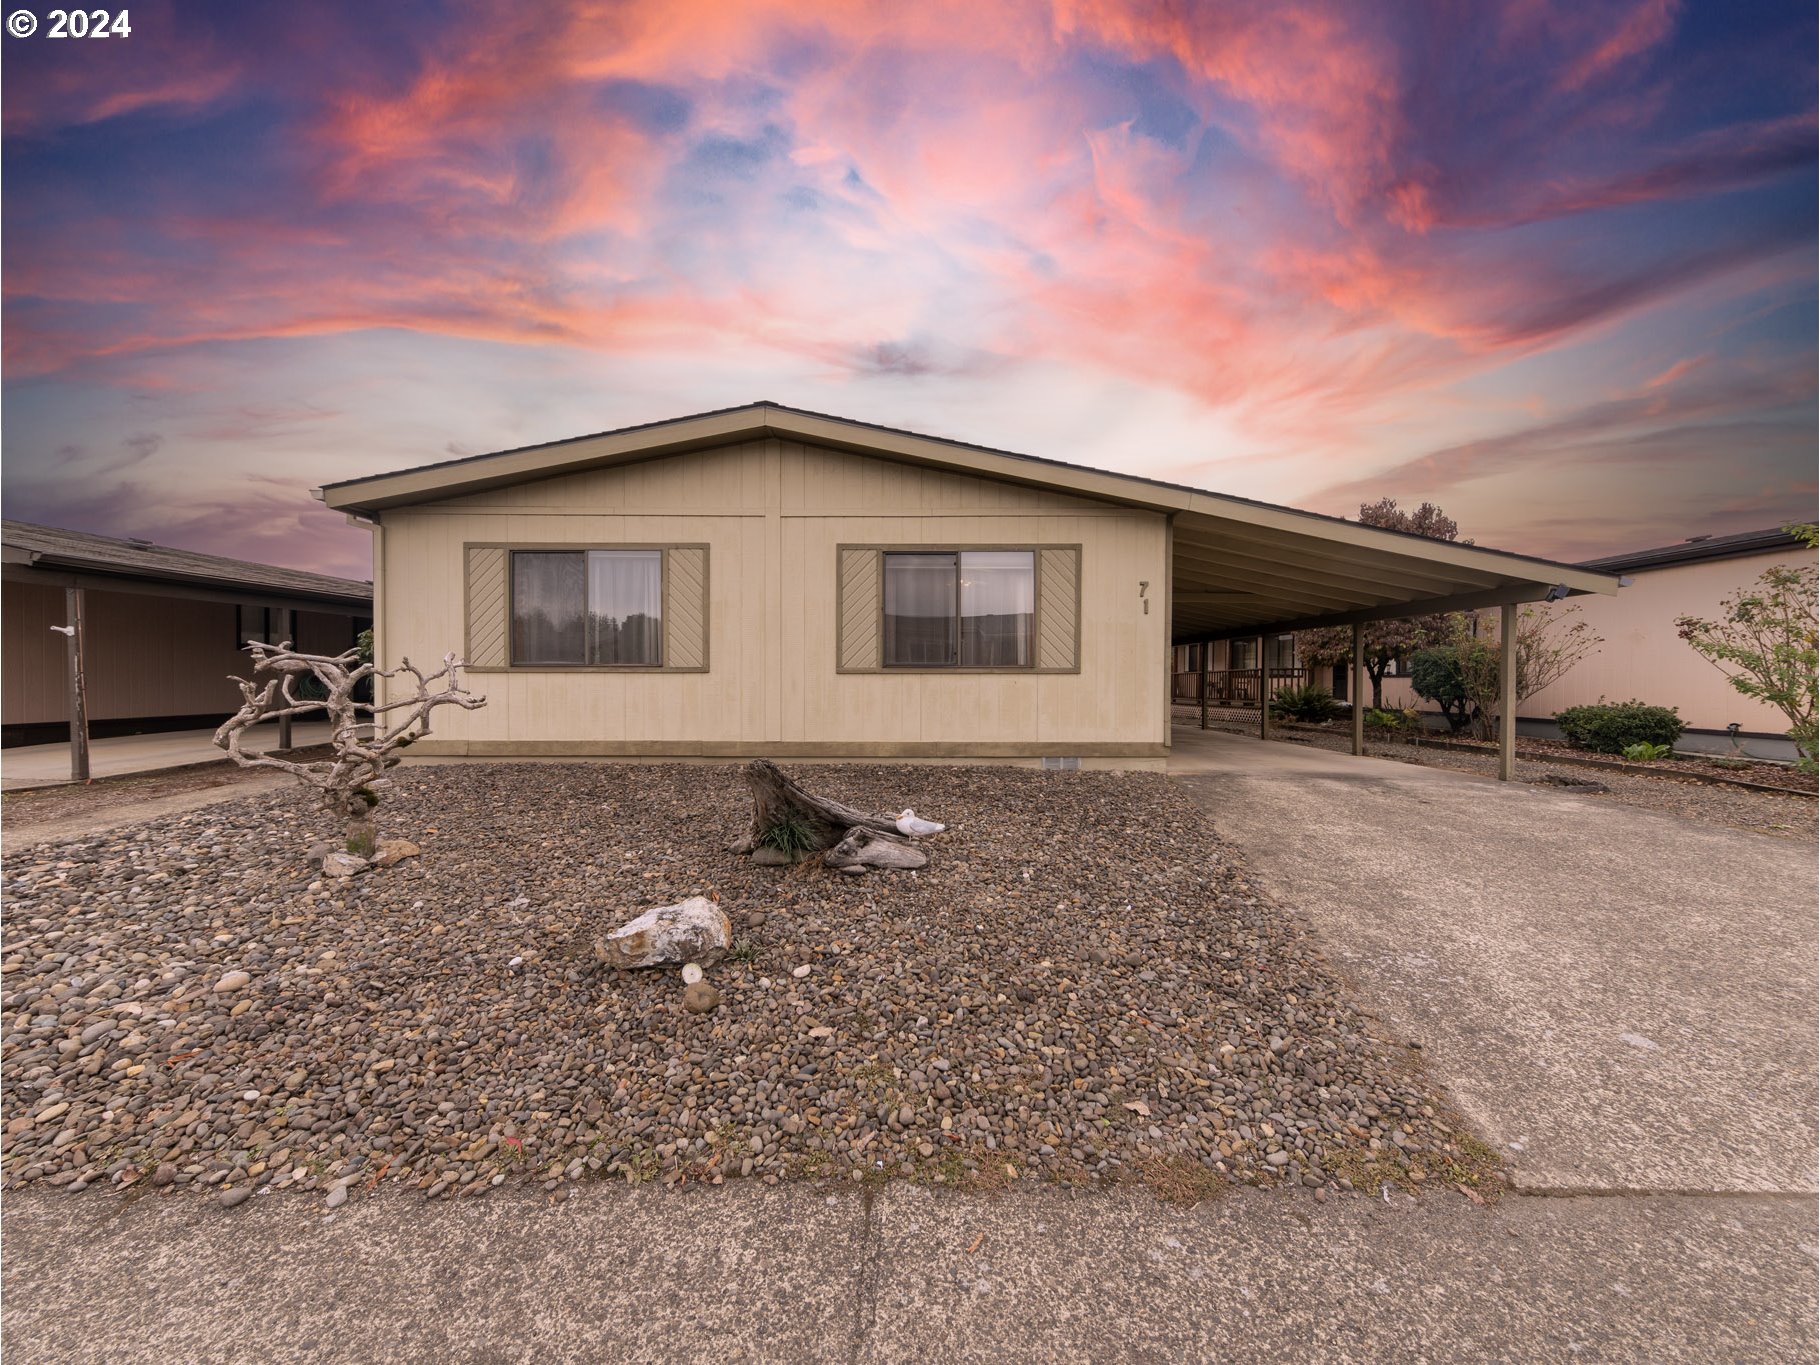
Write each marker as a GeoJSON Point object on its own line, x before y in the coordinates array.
{"type": "Point", "coordinates": [1788, 817]}
{"type": "Point", "coordinates": [1081, 985]}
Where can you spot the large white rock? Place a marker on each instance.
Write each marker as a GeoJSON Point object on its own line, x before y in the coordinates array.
{"type": "Point", "coordinates": [695, 930]}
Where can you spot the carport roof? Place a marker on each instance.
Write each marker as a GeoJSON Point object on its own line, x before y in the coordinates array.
{"type": "Point", "coordinates": [1238, 566]}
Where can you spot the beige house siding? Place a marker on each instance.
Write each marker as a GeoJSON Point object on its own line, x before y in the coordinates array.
{"type": "Point", "coordinates": [773, 515]}
{"type": "Point", "coordinates": [1643, 657]}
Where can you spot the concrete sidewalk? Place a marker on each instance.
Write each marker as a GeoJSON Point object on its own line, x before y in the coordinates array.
{"type": "Point", "coordinates": [1619, 999]}
{"type": "Point", "coordinates": [48, 765]}
{"type": "Point", "coordinates": [805, 1273]}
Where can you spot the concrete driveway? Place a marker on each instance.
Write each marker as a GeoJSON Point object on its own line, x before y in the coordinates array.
{"type": "Point", "coordinates": [1620, 1000]}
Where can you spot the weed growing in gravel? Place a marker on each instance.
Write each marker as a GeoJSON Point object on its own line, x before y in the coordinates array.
{"type": "Point", "coordinates": [640, 1164]}
{"type": "Point", "coordinates": [812, 1163]}
{"type": "Point", "coordinates": [742, 951]}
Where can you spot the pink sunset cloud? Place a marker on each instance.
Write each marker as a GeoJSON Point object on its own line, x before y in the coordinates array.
{"type": "Point", "coordinates": [1327, 249]}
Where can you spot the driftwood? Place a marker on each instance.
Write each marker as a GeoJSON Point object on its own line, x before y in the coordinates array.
{"type": "Point", "coordinates": [363, 748]}
{"type": "Point", "coordinates": [850, 840]}
{"type": "Point", "coordinates": [864, 848]}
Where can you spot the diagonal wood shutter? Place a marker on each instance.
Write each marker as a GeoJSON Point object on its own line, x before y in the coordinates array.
{"type": "Point", "coordinates": [686, 608]}
{"type": "Point", "coordinates": [488, 613]}
{"type": "Point", "coordinates": [858, 602]}
{"type": "Point", "coordinates": [1059, 614]}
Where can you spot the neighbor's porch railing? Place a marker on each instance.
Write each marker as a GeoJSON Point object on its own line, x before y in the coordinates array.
{"type": "Point", "coordinates": [1234, 687]}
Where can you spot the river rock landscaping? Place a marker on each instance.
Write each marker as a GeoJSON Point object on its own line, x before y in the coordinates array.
{"type": "Point", "coordinates": [1081, 985]}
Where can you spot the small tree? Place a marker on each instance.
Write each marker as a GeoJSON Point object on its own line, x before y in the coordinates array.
{"type": "Point", "coordinates": [1436, 674]}
{"type": "Point", "coordinates": [1765, 643]}
{"type": "Point", "coordinates": [1462, 676]}
{"type": "Point", "coordinates": [350, 780]}
{"type": "Point", "coordinates": [1385, 641]}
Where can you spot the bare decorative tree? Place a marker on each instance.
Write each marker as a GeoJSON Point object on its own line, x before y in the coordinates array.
{"type": "Point", "coordinates": [350, 779]}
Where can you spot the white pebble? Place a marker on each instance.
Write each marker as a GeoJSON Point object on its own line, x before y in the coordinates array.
{"type": "Point", "coordinates": [800, 972]}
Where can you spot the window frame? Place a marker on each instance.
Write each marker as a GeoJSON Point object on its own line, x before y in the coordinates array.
{"type": "Point", "coordinates": [511, 547]}
{"type": "Point", "coordinates": [1032, 669]}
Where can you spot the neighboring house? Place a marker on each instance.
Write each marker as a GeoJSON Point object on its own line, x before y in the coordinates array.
{"type": "Point", "coordinates": [162, 629]}
{"type": "Point", "coordinates": [763, 580]}
{"type": "Point", "coordinates": [1642, 655]}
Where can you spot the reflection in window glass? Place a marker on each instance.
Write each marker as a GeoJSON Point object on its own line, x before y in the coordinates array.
{"type": "Point", "coordinates": [976, 608]}
{"type": "Point", "coordinates": [549, 601]}
{"type": "Point", "coordinates": [998, 608]}
{"type": "Point", "coordinates": [920, 610]}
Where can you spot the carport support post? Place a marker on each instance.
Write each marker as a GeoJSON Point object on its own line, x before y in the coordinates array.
{"type": "Point", "coordinates": [287, 635]}
{"type": "Point", "coordinates": [1206, 648]}
{"type": "Point", "coordinates": [1507, 691]}
{"type": "Point", "coordinates": [72, 598]}
{"type": "Point", "coordinates": [1263, 692]}
{"type": "Point", "coordinates": [1358, 688]}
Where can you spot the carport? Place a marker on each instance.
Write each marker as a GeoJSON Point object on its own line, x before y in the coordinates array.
{"type": "Point", "coordinates": [1249, 570]}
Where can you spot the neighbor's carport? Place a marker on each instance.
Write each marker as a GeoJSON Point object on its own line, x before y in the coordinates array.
{"type": "Point", "coordinates": [1248, 570]}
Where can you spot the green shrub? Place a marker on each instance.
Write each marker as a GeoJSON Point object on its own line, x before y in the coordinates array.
{"type": "Point", "coordinates": [1646, 752]}
{"type": "Point", "coordinates": [790, 834]}
{"type": "Point", "coordinates": [1612, 727]}
{"type": "Point", "coordinates": [1387, 722]}
{"type": "Point", "coordinates": [1436, 675]}
{"type": "Point", "coordinates": [1304, 703]}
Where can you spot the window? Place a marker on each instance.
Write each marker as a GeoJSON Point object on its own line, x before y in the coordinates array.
{"type": "Point", "coordinates": [960, 608]}
{"type": "Point", "coordinates": [1243, 655]}
{"type": "Point", "coordinates": [257, 623]}
{"type": "Point", "coordinates": [589, 607]}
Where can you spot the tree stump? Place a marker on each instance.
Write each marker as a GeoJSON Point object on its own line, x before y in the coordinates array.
{"type": "Point", "coordinates": [775, 796]}
{"type": "Point", "coordinates": [849, 840]}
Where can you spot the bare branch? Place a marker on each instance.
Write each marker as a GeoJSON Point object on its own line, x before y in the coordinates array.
{"type": "Point", "coordinates": [363, 749]}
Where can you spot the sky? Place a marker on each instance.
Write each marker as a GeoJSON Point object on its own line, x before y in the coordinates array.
{"type": "Point", "coordinates": [1549, 265]}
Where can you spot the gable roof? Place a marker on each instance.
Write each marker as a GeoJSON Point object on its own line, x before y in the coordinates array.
{"type": "Point", "coordinates": [50, 547]}
{"type": "Point", "coordinates": [1238, 564]}
{"type": "Point", "coordinates": [1694, 549]}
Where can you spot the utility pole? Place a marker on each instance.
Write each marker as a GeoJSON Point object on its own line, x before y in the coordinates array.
{"type": "Point", "coordinates": [72, 598]}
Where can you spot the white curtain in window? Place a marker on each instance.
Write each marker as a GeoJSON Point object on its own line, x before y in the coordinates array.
{"type": "Point", "coordinates": [625, 607]}
{"type": "Point", "coordinates": [998, 608]}
{"type": "Point", "coordinates": [920, 609]}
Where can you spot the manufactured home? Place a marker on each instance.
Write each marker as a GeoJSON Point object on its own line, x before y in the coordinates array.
{"type": "Point", "coordinates": [767, 581]}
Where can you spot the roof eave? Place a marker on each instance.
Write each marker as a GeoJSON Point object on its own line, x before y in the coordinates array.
{"type": "Point", "coordinates": [376, 494]}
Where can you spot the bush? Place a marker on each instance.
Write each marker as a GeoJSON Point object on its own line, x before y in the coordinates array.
{"type": "Point", "coordinates": [1304, 703]}
{"type": "Point", "coordinates": [1436, 675]}
{"type": "Point", "coordinates": [1647, 752]}
{"type": "Point", "coordinates": [1386, 722]}
{"type": "Point", "coordinates": [1612, 727]}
